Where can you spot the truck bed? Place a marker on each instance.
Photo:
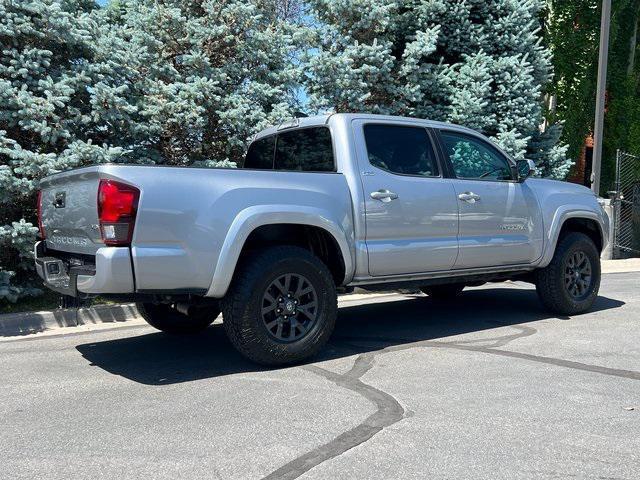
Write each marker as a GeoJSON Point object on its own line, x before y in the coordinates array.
{"type": "Point", "coordinates": [184, 217]}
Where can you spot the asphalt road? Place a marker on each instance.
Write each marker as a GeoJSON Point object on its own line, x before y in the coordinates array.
{"type": "Point", "coordinates": [486, 387]}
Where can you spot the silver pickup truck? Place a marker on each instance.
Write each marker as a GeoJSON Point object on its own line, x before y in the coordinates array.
{"type": "Point", "coordinates": [321, 205]}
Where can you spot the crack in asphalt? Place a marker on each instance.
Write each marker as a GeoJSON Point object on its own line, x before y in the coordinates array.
{"type": "Point", "coordinates": [586, 367]}
{"type": "Point", "coordinates": [388, 409]}
{"type": "Point", "coordinates": [501, 342]}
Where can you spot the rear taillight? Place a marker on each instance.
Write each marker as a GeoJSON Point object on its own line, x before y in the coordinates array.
{"type": "Point", "coordinates": [40, 224]}
{"type": "Point", "coordinates": [117, 208]}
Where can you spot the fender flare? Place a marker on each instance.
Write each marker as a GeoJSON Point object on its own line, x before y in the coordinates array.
{"type": "Point", "coordinates": [563, 214]}
{"type": "Point", "coordinates": [259, 215]}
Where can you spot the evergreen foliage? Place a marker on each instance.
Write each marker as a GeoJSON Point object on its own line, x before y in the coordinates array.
{"type": "Point", "coordinates": [46, 126]}
{"type": "Point", "coordinates": [164, 81]}
{"type": "Point", "coordinates": [573, 32]}
{"type": "Point", "coordinates": [476, 63]}
{"type": "Point", "coordinates": [188, 81]}
{"type": "Point", "coordinates": [622, 120]}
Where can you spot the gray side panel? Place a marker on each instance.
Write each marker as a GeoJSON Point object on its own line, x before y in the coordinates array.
{"type": "Point", "coordinates": [185, 215]}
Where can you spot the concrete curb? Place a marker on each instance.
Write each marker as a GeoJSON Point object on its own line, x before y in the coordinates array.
{"type": "Point", "coordinates": [26, 323]}
{"type": "Point", "coordinates": [625, 265]}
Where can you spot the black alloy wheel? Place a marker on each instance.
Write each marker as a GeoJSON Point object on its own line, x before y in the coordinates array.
{"type": "Point", "coordinates": [577, 275]}
{"type": "Point", "coordinates": [289, 308]}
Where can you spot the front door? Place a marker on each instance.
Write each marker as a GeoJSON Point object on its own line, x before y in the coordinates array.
{"type": "Point", "coordinates": [411, 209]}
{"type": "Point", "coordinates": [500, 223]}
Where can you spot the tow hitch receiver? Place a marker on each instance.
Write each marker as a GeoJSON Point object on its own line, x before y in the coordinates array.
{"type": "Point", "coordinates": [54, 272]}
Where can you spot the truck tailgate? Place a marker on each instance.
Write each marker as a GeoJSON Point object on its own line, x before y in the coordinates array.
{"type": "Point", "coordinates": [70, 212]}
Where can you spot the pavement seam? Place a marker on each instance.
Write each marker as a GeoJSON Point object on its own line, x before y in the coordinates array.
{"type": "Point", "coordinates": [501, 342]}
{"type": "Point", "coordinates": [389, 410]}
{"type": "Point", "coordinates": [586, 367]}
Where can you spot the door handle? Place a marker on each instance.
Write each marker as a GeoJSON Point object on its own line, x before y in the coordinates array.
{"type": "Point", "coordinates": [469, 197]}
{"type": "Point", "coordinates": [384, 195]}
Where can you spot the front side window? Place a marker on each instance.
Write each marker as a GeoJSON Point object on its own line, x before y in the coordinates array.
{"type": "Point", "coordinates": [260, 154]}
{"type": "Point", "coordinates": [400, 149]}
{"type": "Point", "coordinates": [473, 158]}
{"type": "Point", "coordinates": [306, 149]}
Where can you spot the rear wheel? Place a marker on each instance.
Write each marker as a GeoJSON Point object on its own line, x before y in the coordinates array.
{"type": "Point", "coordinates": [570, 283]}
{"type": "Point", "coordinates": [281, 307]}
{"type": "Point", "coordinates": [443, 292]}
{"type": "Point", "coordinates": [167, 318]}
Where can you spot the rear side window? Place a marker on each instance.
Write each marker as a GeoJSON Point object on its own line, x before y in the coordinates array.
{"type": "Point", "coordinates": [307, 150]}
{"type": "Point", "coordinates": [399, 149]}
{"type": "Point", "coordinates": [260, 154]}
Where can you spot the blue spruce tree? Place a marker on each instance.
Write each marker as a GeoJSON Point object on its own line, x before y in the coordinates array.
{"type": "Point", "coordinates": [189, 81]}
{"type": "Point", "coordinates": [178, 82]}
{"type": "Point", "coordinates": [46, 125]}
{"type": "Point", "coordinates": [472, 62]}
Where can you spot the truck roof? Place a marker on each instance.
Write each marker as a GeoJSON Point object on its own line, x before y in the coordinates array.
{"type": "Point", "coordinates": [317, 120]}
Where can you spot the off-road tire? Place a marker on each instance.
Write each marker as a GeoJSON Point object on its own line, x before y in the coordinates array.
{"type": "Point", "coordinates": [443, 292]}
{"type": "Point", "coordinates": [167, 319]}
{"type": "Point", "coordinates": [550, 281]}
{"type": "Point", "coordinates": [243, 305]}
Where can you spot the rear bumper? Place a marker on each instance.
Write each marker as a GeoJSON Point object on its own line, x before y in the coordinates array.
{"type": "Point", "coordinates": [112, 272]}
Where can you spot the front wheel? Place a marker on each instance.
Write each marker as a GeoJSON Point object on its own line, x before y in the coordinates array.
{"type": "Point", "coordinates": [569, 284]}
{"type": "Point", "coordinates": [281, 307]}
{"type": "Point", "coordinates": [167, 318]}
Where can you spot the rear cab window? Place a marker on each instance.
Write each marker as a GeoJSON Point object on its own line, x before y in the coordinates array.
{"type": "Point", "coordinates": [303, 150]}
{"type": "Point", "coordinates": [260, 154]}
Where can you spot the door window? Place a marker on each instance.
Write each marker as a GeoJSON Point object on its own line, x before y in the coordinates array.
{"type": "Point", "coordinates": [473, 158]}
{"type": "Point", "coordinates": [400, 149]}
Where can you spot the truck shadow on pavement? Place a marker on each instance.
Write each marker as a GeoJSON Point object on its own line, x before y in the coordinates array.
{"type": "Point", "coordinates": [161, 359]}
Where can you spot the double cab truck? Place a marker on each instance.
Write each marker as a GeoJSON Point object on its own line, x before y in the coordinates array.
{"type": "Point", "coordinates": [320, 205]}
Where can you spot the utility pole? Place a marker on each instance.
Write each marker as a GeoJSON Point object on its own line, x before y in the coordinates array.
{"type": "Point", "coordinates": [596, 166]}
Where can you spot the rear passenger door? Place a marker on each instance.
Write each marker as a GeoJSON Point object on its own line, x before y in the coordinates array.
{"type": "Point", "coordinates": [410, 208]}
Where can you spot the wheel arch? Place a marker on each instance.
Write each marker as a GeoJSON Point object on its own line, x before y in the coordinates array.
{"type": "Point", "coordinates": [568, 220]}
{"type": "Point", "coordinates": [311, 228]}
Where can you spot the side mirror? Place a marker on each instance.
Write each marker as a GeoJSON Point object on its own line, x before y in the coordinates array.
{"type": "Point", "coordinates": [525, 168]}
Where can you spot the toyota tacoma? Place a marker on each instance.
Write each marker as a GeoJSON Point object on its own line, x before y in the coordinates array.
{"type": "Point", "coordinates": [320, 205]}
